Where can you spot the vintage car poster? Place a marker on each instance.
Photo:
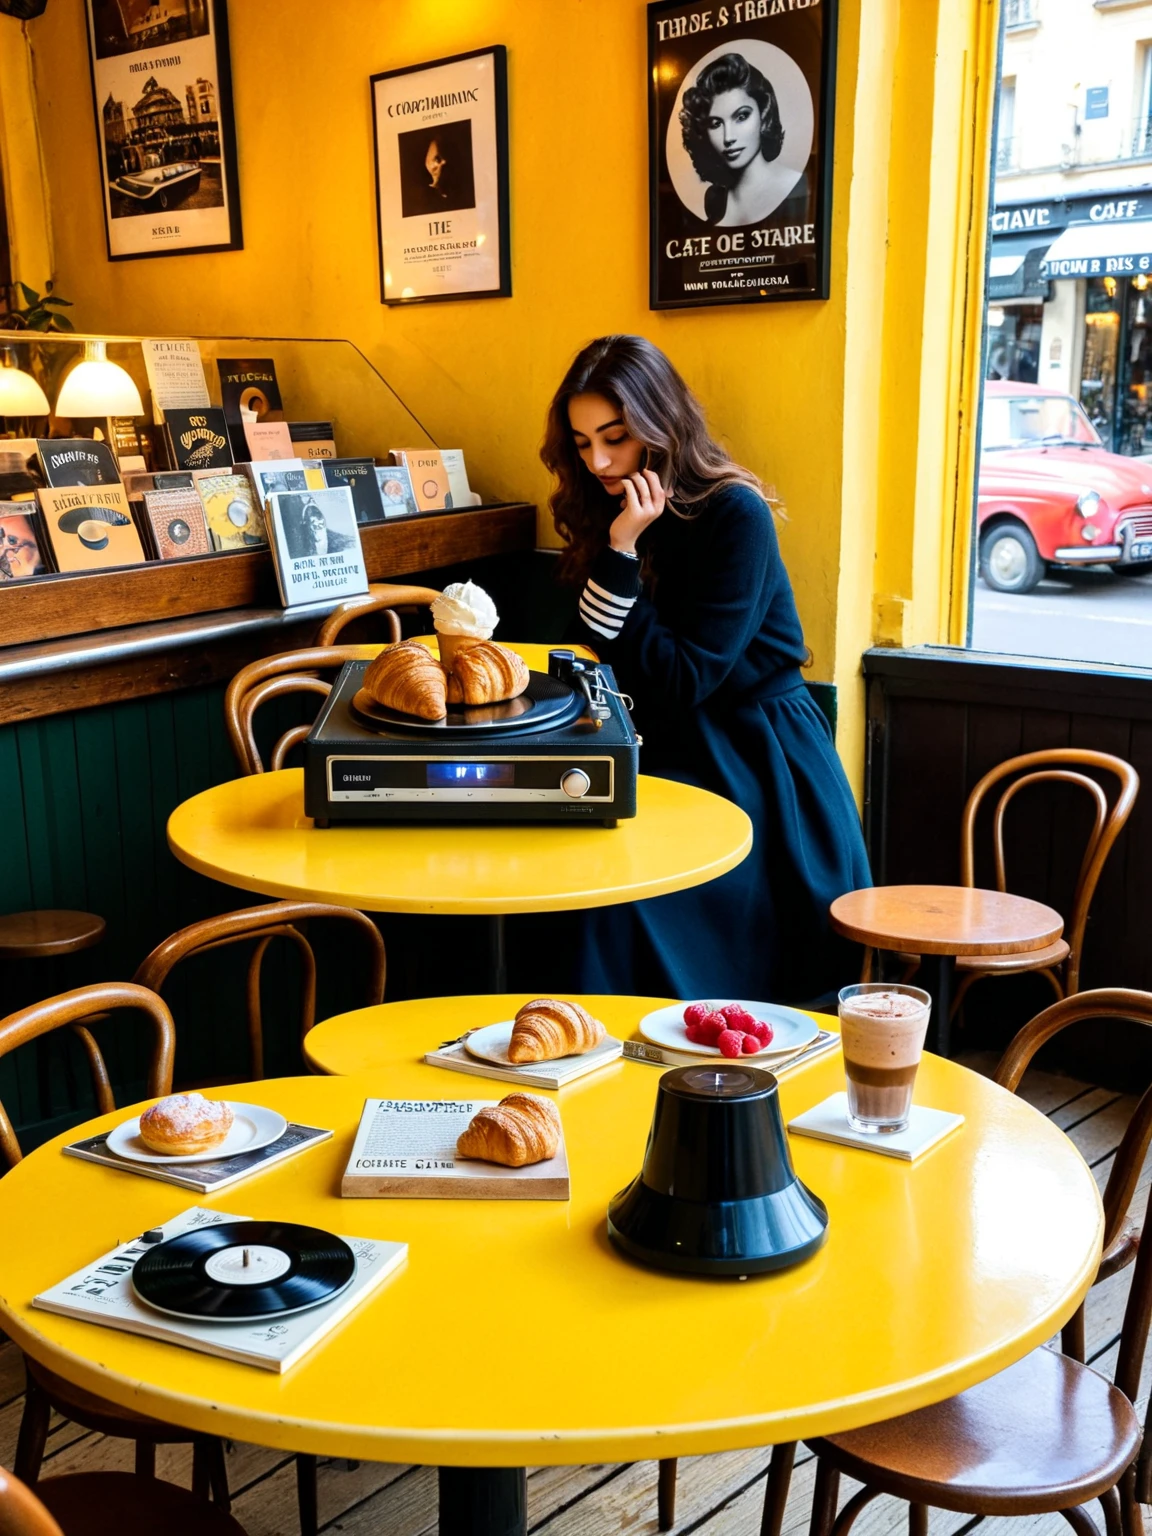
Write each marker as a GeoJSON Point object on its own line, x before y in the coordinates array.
{"type": "Point", "coordinates": [162, 90]}
{"type": "Point", "coordinates": [740, 111]}
{"type": "Point", "coordinates": [442, 179]}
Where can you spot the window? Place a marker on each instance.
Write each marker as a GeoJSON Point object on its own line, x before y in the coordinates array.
{"type": "Point", "coordinates": [1142, 123]}
{"type": "Point", "coordinates": [1006, 157]}
{"type": "Point", "coordinates": [1020, 14]}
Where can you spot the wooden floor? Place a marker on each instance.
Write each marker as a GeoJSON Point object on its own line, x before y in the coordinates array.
{"type": "Point", "coordinates": [718, 1495]}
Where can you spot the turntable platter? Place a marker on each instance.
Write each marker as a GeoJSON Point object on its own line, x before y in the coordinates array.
{"type": "Point", "coordinates": [545, 704]}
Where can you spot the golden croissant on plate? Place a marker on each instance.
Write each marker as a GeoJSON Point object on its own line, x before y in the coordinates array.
{"type": "Point", "coordinates": [408, 677]}
{"type": "Point", "coordinates": [521, 1129]}
{"type": "Point", "coordinates": [486, 673]}
{"type": "Point", "coordinates": [547, 1029]}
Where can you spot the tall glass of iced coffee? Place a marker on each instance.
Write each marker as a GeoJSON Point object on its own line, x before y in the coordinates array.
{"type": "Point", "coordinates": [882, 1029]}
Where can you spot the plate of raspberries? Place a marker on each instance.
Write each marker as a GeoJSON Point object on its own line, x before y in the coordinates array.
{"type": "Point", "coordinates": [710, 1027]}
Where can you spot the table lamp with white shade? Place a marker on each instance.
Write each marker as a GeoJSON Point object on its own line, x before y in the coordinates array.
{"type": "Point", "coordinates": [98, 387]}
{"type": "Point", "coordinates": [20, 395]}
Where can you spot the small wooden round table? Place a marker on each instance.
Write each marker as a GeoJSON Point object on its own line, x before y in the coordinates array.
{"type": "Point", "coordinates": [253, 833]}
{"type": "Point", "coordinates": [939, 922]}
{"type": "Point", "coordinates": [518, 1336]}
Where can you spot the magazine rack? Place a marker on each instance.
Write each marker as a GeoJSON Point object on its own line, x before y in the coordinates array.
{"type": "Point", "coordinates": [321, 380]}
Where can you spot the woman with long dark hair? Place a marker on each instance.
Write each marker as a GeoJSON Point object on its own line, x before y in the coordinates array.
{"type": "Point", "coordinates": [683, 592]}
{"type": "Point", "coordinates": [730, 123]}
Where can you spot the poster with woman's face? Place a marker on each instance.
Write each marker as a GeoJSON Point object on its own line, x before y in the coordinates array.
{"type": "Point", "coordinates": [740, 156]}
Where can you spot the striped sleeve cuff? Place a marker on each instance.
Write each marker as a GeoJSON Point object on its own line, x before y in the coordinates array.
{"type": "Point", "coordinates": [610, 593]}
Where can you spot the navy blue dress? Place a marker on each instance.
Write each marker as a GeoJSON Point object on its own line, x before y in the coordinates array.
{"type": "Point", "coordinates": [711, 657]}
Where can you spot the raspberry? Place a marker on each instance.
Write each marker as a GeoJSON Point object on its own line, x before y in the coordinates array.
{"type": "Point", "coordinates": [695, 1012]}
{"type": "Point", "coordinates": [730, 1043]}
{"type": "Point", "coordinates": [711, 1029]}
{"type": "Point", "coordinates": [714, 1020]}
{"type": "Point", "coordinates": [732, 1011]}
{"type": "Point", "coordinates": [750, 1045]}
{"type": "Point", "coordinates": [742, 1019]}
{"type": "Point", "coordinates": [693, 1033]}
{"type": "Point", "coordinates": [763, 1032]}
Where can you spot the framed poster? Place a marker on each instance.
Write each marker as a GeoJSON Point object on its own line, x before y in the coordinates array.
{"type": "Point", "coordinates": [740, 114]}
{"type": "Point", "coordinates": [441, 133]}
{"type": "Point", "coordinates": [162, 92]}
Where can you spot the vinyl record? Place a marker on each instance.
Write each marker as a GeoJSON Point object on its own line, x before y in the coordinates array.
{"type": "Point", "coordinates": [244, 1271]}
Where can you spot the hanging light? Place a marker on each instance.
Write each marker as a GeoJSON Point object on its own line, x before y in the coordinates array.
{"type": "Point", "coordinates": [20, 395]}
{"type": "Point", "coordinates": [96, 387]}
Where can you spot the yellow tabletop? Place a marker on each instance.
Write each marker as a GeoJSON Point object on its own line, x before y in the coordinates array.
{"type": "Point", "coordinates": [253, 833]}
{"type": "Point", "coordinates": [516, 1334]}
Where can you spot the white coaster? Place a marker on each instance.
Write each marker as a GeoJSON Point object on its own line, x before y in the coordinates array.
{"type": "Point", "coordinates": [829, 1122]}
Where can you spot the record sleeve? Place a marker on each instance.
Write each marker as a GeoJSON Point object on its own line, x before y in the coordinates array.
{"type": "Point", "coordinates": [429, 478]}
{"type": "Point", "coordinates": [20, 553]}
{"type": "Point", "coordinates": [359, 475]}
{"type": "Point", "coordinates": [231, 510]}
{"type": "Point", "coordinates": [77, 461]}
{"type": "Point", "coordinates": [247, 384]}
{"type": "Point", "coordinates": [89, 527]}
{"type": "Point", "coordinates": [268, 475]}
{"type": "Point", "coordinates": [199, 438]}
{"type": "Point", "coordinates": [176, 521]}
{"type": "Point", "coordinates": [316, 546]}
{"type": "Point", "coordinates": [396, 493]}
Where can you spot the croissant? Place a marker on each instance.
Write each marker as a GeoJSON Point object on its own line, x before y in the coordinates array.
{"type": "Point", "coordinates": [408, 677]}
{"type": "Point", "coordinates": [547, 1029]}
{"type": "Point", "coordinates": [520, 1129]}
{"type": "Point", "coordinates": [486, 673]}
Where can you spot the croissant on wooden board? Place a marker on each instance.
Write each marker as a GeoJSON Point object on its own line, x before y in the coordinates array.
{"type": "Point", "coordinates": [547, 1029]}
{"type": "Point", "coordinates": [521, 1129]}
{"type": "Point", "coordinates": [486, 673]}
{"type": "Point", "coordinates": [408, 677]}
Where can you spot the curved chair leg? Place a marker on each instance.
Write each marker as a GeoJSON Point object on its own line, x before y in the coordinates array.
{"type": "Point", "coordinates": [824, 1497]}
{"type": "Point", "coordinates": [776, 1493]}
{"type": "Point", "coordinates": [1072, 1340]}
{"type": "Point", "coordinates": [917, 1520]}
{"type": "Point", "coordinates": [1081, 1521]}
{"type": "Point", "coordinates": [209, 1471]}
{"type": "Point", "coordinates": [1131, 1514]}
{"type": "Point", "coordinates": [1113, 1518]}
{"type": "Point", "coordinates": [666, 1494]}
{"type": "Point", "coordinates": [306, 1495]}
{"type": "Point", "coordinates": [846, 1519]}
{"type": "Point", "coordinates": [33, 1432]}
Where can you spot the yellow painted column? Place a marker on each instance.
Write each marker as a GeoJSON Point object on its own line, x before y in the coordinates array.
{"type": "Point", "coordinates": [26, 191]}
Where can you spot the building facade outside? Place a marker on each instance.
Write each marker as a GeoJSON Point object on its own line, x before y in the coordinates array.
{"type": "Point", "coordinates": [1070, 270]}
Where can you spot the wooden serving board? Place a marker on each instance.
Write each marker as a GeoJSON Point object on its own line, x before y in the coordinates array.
{"type": "Point", "coordinates": [406, 1149]}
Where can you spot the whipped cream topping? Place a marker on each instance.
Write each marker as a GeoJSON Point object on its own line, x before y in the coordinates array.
{"type": "Point", "coordinates": [463, 608]}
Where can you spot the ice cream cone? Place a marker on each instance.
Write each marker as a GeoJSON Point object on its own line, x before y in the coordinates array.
{"type": "Point", "coordinates": [452, 645]}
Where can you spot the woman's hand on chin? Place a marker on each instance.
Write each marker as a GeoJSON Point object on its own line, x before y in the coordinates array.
{"type": "Point", "coordinates": [643, 501]}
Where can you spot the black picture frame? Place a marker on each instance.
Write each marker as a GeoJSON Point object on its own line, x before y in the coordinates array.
{"type": "Point", "coordinates": [187, 53]}
{"type": "Point", "coordinates": [701, 256]}
{"type": "Point", "coordinates": [400, 199]}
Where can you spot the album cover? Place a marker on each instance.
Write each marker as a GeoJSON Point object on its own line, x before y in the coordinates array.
{"type": "Point", "coordinates": [456, 470]}
{"type": "Point", "coordinates": [313, 477]}
{"type": "Point", "coordinates": [312, 439]}
{"type": "Point", "coordinates": [20, 552]}
{"type": "Point", "coordinates": [231, 510]}
{"type": "Point", "coordinates": [77, 461]}
{"type": "Point", "coordinates": [268, 440]}
{"type": "Point", "coordinates": [425, 467]}
{"type": "Point", "coordinates": [316, 546]}
{"type": "Point", "coordinates": [176, 522]}
{"type": "Point", "coordinates": [199, 438]}
{"type": "Point", "coordinates": [247, 384]}
{"type": "Point", "coordinates": [90, 528]}
{"type": "Point", "coordinates": [102, 1293]}
{"type": "Point", "coordinates": [268, 475]}
{"type": "Point", "coordinates": [172, 480]}
{"type": "Point", "coordinates": [175, 376]}
{"type": "Point", "coordinates": [359, 475]}
{"type": "Point", "coordinates": [396, 491]}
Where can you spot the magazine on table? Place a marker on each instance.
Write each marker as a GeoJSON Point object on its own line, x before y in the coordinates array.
{"type": "Point", "coordinates": [209, 1177]}
{"type": "Point", "coordinates": [102, 1292]}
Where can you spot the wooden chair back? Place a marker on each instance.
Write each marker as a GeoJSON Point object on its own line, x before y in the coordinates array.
{"type": "Point", "coordinates": [69, 1010]}
{"type": "Point", "coordinates": [1123, 1238]}
{"type": "Point", "coordinates": [382, 598]}
{"type": "Point", "coordinates": [261, 925]}
{"type": "Point", "coordinates": [21, 1512]}
{"type": "Point", "coordinates": [272, 677]}
{"type": "Point", "coordinates": [1058, 764]}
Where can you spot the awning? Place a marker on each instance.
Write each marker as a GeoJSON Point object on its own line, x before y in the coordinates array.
{"type": "Point", "coordinates": [1014, 268]}
{"type": "Point", "coordinates": [1114, 248]}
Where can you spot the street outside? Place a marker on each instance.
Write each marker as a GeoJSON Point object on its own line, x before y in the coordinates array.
{"type": "Point", "coordinates": [1083, 615]}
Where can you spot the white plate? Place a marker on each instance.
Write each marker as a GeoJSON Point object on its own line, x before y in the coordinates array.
{"type": "Point", "coordinates": [490, 1043]}
{"type": "Point", "coordinates": [791, 1028]}
{"type": "Point", "coordinates": [253, 1127]}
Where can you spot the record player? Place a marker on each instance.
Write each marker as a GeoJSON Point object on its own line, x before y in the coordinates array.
{"type": "Point", "coordinates": [565, 751]}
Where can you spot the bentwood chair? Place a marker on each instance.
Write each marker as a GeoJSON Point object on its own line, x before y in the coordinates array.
{"type": "Point", "coordinates": [1049, 1434]}
{"type": "Point", "coordinates": [259, 926]}
{"type": "Point", "coordinates": [107, 1504]}
{"type": "Point", "coordinates": [272, 677]}
{"type": "Point", "coordinates": [45, 1390]}
{"type": "Point", "coordinates": [382, 598]}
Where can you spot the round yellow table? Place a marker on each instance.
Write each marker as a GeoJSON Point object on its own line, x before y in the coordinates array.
{"type": "Point", "coordinates": [516, 1335]}
{"type": "Point", "coordinates": [253, 833]}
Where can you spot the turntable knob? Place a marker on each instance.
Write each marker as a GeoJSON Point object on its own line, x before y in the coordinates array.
{"type": "Point", "coordinates": [575, 783]}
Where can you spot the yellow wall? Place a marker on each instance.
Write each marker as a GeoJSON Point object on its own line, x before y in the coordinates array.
{"type": "Point", "coordinates": [816, 397]}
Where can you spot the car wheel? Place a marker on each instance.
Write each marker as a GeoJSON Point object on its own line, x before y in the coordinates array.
{"type": "Point", "coordinates": [1009, 559]}
{"type": "Point", "coordinates": [1137, 568]}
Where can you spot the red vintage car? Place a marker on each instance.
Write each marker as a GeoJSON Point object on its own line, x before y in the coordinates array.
{"type": "Point", "coordinates": [1052, 495]}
